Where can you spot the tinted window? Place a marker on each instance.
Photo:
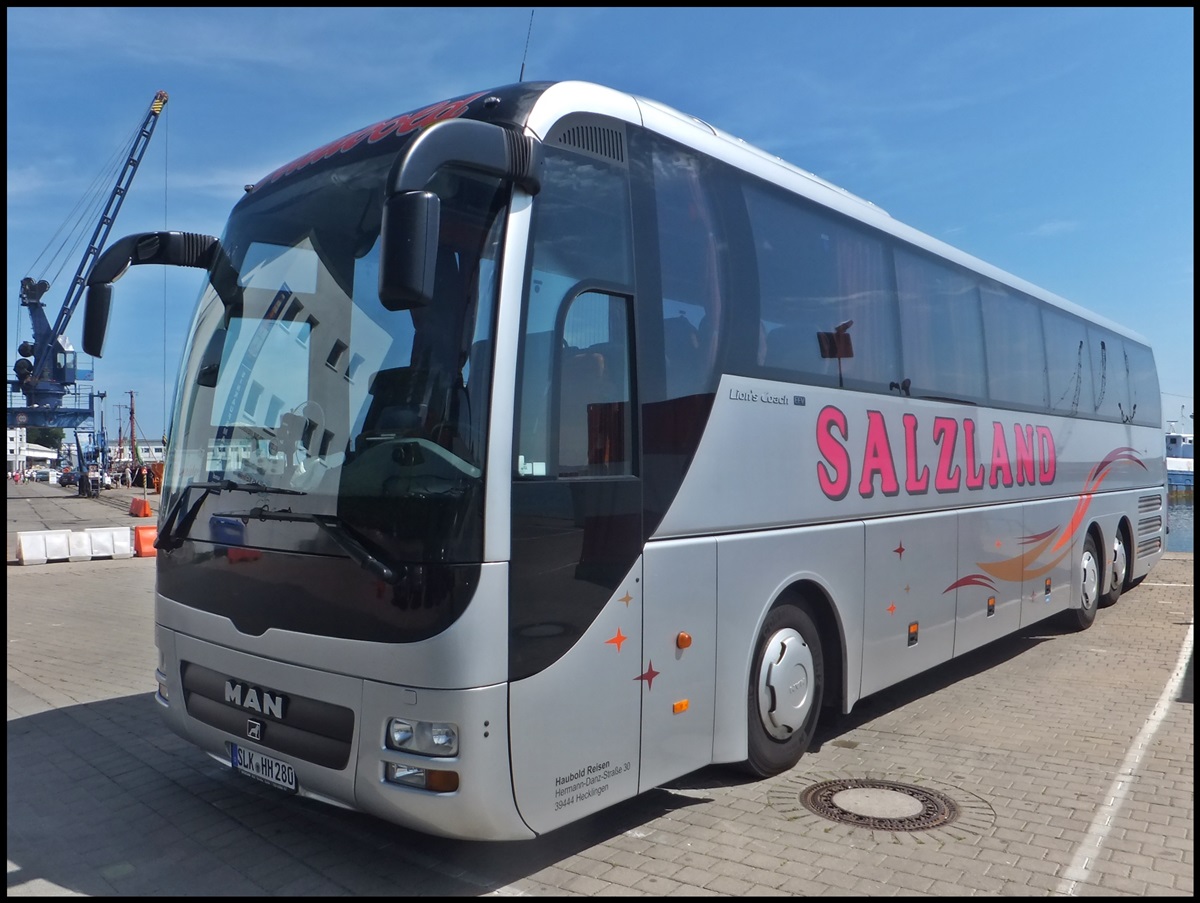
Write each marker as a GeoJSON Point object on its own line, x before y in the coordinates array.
{"type": "Point", "coordinates": [941, 329]}
{"type": "Point", "coordinates": [1068, 363]}
{"type": "Point", "coordinates": [828, 312]}
{"type": "Point", "coordinates": [1145, 402]}
{"type": "Point", "coordinates": [692, 266]}
{"type": "Point", "coordinates": [1016, 354]}
{"type": "Point", "coordinates": [1110, 378]}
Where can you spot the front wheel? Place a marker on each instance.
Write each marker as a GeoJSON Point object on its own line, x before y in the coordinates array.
{"type": "Point", "coordinates": [1118, 572]}
{"type": "Point", "coordinates": [787, 684]}
{"type": "Point", "coordinates": [1089, 591]}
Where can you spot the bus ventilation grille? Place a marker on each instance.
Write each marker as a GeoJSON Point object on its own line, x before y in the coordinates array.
{"type": "Point", "coordinates": [603, 142]}
{"type": "Point", "coordinates": [1149, 503]}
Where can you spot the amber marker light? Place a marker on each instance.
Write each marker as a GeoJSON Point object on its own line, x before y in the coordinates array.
{"type": "Point", "coordinates": [441, 781]}
{"type": "Point", "coordinates": [684, 640]}
{"type": "Point", "coordinates": [679, 707]}
{"type": "Point", "coordinates": [421, 778]}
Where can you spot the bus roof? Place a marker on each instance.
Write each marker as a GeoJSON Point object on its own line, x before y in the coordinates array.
{"type": "Point", "coordinates": [537, 106]}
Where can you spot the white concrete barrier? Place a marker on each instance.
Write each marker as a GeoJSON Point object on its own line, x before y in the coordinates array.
{"type": "Point", "coordinates": [40, 546]}
{"type": "Point", "coordinates": [111, 542]}
{"type": "Point", "coordinates": [79, 546]}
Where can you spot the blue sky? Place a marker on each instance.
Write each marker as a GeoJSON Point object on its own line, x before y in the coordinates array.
{"type": "Point", "coordinates": [1056, 144]}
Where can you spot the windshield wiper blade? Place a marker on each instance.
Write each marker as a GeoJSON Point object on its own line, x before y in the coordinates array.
{"type": "Point", "coordinates": [171, 537]}
{"type": "Point", "coordinates": [336, 530]}
{"type": "Point", "coordinates": [251, 486]}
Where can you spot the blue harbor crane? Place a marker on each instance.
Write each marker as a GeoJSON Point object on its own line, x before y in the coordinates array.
{"type": "Point", "coordinates": [47, 371]}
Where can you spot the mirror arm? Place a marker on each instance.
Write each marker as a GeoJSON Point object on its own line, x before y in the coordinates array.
{"type": "Point", "coordinates": [185, 249]}
{"type": "Point", "coordinates": [482, 146]}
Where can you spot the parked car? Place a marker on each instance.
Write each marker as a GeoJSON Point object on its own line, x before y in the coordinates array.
{"type": "Point", "coordinates": [46, 476]}
{"type": "Point", "coordinates": [70, 478]}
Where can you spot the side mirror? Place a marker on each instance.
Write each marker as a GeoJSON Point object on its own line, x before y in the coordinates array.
{"type": "Point", "coordinates": [408, 249]}
{"type": "Point", "coordinates": [95, 318]}
{"type": "Point", "coordinates": [181, 249]}
{"type": "Point", "coordinates": [210, 362]}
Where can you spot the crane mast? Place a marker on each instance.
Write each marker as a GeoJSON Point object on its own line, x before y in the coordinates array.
{"type": "Point", "coordinates": [47, 364]}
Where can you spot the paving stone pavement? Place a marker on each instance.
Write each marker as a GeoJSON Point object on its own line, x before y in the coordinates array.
{"type": "Point", "coordinates": [1069, 756]}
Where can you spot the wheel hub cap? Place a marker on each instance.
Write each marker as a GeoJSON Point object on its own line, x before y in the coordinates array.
{"type": "Point", "coordinates": [1120, 565]}
{"type": "Point", "coordinates": [785, 684]}
{"type": "Point", "coordinates": [1091, 581]}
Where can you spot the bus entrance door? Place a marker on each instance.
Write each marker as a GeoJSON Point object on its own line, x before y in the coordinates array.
{"type": "Point", "coordinates": [679, 653]}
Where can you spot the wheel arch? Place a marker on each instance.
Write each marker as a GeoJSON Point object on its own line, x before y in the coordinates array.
{"type": "Point", "coordinates": [809, 595]}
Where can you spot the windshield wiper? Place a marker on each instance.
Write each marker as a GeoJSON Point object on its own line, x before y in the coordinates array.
{"type": "Point", "coordinates": [171, 537]}
{"type": "Point", "coordinates": [336, 530]}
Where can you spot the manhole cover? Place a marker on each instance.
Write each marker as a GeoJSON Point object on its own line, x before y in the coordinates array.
{"type": "Point", "coordinates": [881, 805]}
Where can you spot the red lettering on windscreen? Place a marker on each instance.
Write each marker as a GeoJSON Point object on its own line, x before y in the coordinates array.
{"type": "Point", "coordinates": [396, 126]}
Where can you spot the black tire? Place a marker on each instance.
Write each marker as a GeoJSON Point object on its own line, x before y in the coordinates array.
{"type": "Point", "coordinates": [1118, 571]}
{"type": "Point", "coordinates": [1091, 567]}
{"type": "Point", "coordinates": [785, 692]}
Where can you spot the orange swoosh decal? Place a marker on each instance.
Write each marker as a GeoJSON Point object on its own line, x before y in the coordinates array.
{"type": "Point", "coordinates": [1014, 569]}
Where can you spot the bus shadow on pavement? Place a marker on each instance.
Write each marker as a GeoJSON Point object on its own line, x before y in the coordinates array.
{"type": "Point", "coordinates": [939, 678]}
{"type": "Point", "coordinates": [833, 725]}
{"type": "Point", "coordinates": [103, 799]}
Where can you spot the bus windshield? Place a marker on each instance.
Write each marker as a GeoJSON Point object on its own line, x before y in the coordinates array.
{"type": "Point", "coordinates": [301, 387]}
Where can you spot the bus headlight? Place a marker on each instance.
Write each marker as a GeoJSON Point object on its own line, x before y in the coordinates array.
{"type": "Point", "coordinates": [426, 738]}
{"type": "Point", "coordinates": [160, 676]}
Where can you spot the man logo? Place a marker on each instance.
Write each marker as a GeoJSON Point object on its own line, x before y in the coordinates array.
{"type": "Point", "coordinates": [256, 700]}
{"type": "Point", "coordinates": [254, 729]}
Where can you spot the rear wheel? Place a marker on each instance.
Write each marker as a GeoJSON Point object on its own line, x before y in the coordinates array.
{"type": "Point", "coordinates": [787, 684]}
{"type": "Point", "coordinates": [1090, 568]}
{"type": "Point", "coordinates": [1118, 571]}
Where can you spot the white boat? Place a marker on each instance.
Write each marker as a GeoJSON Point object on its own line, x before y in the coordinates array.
{"type": "Point", "coordinates": [1181, 459]}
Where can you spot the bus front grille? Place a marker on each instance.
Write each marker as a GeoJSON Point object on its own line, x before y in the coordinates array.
{"type": "Point", "coordinates": [308, 729]}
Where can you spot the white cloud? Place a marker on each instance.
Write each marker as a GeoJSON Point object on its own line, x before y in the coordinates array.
{"type": "Point", "coordinates": [1054, 227]}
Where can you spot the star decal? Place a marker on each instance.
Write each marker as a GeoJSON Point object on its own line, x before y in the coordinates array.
{"type": "Point", "coordinates": [891, 609]}
{"type": "Point", "coordinates": [900, 550]}
{"type": "Point", "coordinates": [626, 599]}
{"type": "Point", "coordinates": [618, 639]}
{"type": "Point", "coordinates": [648, 676]}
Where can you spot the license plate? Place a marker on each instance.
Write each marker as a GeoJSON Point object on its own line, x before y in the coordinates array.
{"type": "Point", "coordinates": [262, 768]}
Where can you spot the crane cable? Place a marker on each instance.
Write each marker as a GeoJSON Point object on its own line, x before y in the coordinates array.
{"type": "Point", "coordinates": [85, 214]}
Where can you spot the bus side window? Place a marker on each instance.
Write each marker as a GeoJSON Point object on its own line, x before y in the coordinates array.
{"type": "Point", "coordinates": [1016, 353]}
{"type": "Point", "coordinates": [822, 274]}
{"type": "Point", "coordinates": [1068, 362]}
{"type": "Point", "coordinates": [941, 329]}
{"type": "Point", "coordinates": [693, 262]}
{"type": "Point", "coordinates": [1110, 375]}
{"type": "Point", "coordinates": [594, 407]}
{"type": "Point", "coordinates": [684, 366]}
